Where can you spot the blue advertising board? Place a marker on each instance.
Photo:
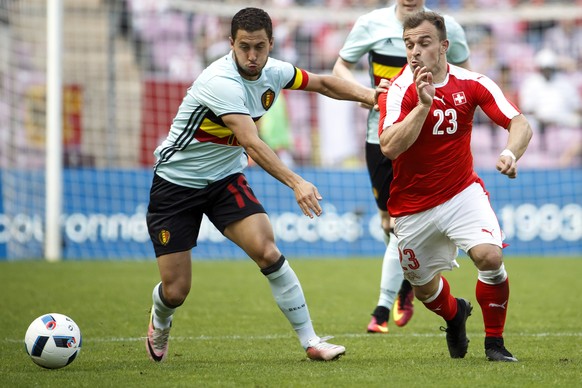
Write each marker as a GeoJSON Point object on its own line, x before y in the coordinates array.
{"type": "Point", "coordinates": [104, 215]}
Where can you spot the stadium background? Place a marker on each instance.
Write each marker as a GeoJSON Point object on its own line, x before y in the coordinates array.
{"type": "Point", "coordinates": [126, 66]}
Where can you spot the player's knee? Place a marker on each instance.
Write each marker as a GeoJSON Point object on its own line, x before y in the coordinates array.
{"type": "Point", "coordinates": [268, 255]}
{"type": "Point", "coordinates": [487, 257]}
{"type": "Point", "coordinates": [422, 294]}
{"type": "Point", "coordinates": [427, 290]}
{"type": "Point", "coordinates": [175, 293]}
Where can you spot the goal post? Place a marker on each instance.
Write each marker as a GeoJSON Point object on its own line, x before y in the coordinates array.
{"type": "Point", "coordinates": [54, 143]}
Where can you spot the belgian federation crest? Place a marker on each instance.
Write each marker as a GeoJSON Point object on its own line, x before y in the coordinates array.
{"type": "Point", "coordinates": [267, 99]}
{"type": "Point", "coordinates": [164, 237]}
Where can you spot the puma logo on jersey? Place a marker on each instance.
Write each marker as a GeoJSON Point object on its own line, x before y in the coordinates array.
{"type": "Point", "coordinates": [501, 306]}
{"type": "Point", "coordinates": [439, 308]}
{"type": "Point", "coordinates": [439, 99]}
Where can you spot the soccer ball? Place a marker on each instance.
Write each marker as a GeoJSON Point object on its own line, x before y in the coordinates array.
{"type": "Point", "coordinates": [53, 341]}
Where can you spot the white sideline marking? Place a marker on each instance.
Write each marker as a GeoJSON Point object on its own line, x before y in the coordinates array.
{"type": "Point", "coordinates": [284, 336]}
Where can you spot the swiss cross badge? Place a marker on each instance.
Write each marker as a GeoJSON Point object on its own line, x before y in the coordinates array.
{"type": "Point", "coordinates": [459, 98]}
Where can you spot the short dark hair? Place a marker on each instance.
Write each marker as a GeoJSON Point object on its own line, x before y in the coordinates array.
{"type": "Point", "coordinates": [251, 19]}
{"type": "Point", "coordinates": [416, 19]}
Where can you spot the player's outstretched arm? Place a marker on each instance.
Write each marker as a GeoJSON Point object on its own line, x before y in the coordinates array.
{"type": "Point", "coordinates": [344, 70]}
{"type": "Point", "coordinates": [520, 134]}
{"type": "Point", "coordinates": [341, 89]}
{"type": "Point", "coordinates": [247, 134]}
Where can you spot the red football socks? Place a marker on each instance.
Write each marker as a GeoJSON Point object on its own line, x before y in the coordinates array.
{"type": "Point", "coordinates": [493, 299]}
{"type": "Point", "coordinates": [445, 304]}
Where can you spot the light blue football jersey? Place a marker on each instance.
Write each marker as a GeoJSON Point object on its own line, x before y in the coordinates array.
{"type": "Point", "coordinates": [199, 148]}
{"type": "Point", "coordinates": [379, 34]}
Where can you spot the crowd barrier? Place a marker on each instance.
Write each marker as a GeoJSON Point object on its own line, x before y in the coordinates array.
{"type": "Point", "coordinates": [104, 215]}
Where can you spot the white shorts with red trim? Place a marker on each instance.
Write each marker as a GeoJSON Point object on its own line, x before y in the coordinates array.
{"type": "Point", "coordinates": [429, 241]}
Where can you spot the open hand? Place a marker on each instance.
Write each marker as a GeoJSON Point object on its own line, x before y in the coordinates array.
{"type": "Point", "coordinates": [424, 85]}
{"type": "Point", "coordinates": [308, 198]}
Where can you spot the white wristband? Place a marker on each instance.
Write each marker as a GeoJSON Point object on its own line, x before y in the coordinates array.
{"type": "Point", "coordinates": [507, 152]}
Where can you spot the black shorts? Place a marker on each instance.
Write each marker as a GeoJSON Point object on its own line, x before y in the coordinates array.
{"type": "Point", "coordinates": [381, 174]}
{"type": "Point", "coordinates": [175, 212]}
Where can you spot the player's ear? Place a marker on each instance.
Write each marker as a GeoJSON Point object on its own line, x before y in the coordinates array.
{"type": "Point", "coordinates": [444, 46]}
{"type": "Point", "coordinates": [231, 41]}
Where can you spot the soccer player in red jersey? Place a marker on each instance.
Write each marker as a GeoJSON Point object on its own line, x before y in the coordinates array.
{"type": "Point", "coordinates": [439, 202]}
{"type": "Point", "coordinates": [377, 35]}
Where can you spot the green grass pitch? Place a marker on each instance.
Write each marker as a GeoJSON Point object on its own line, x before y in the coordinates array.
{"type": "Point", "coordinates": [229, 332]}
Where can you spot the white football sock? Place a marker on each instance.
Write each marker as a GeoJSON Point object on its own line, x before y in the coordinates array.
{"type": "Point", "coordinates": [492, 277]}
{"type": "Point", "coordinates": [290, 299]}
{"type": "Point", "coordinates": [392, 275]}
{"type": "Point", "coordinates": [162, 314]}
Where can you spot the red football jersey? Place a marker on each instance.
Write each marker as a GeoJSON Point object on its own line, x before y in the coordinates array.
{"type": "Point", "coordinates": [439, 164]}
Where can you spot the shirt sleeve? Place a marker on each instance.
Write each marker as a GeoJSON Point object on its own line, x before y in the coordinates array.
{"type": "Point", "coordinates": [357, 43]}
{"type": "Point", "coordinates": [222, 95]}
{"type": "Point", "coordinates": [401, 98]}
{"type": "Point", "coordinates": [495, 105]}
{"type": "Point", "coordinates": [458, 51]}
{"type": "Point", "coordinates": [382, 100]}
{"type": "Point", "coordinates": [299, 79]}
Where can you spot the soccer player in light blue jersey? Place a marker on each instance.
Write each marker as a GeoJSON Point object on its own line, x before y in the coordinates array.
{"type": "Point", "coordinates": [199, 170]}
{"type": "Point", "coordinates": [378, 34]}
